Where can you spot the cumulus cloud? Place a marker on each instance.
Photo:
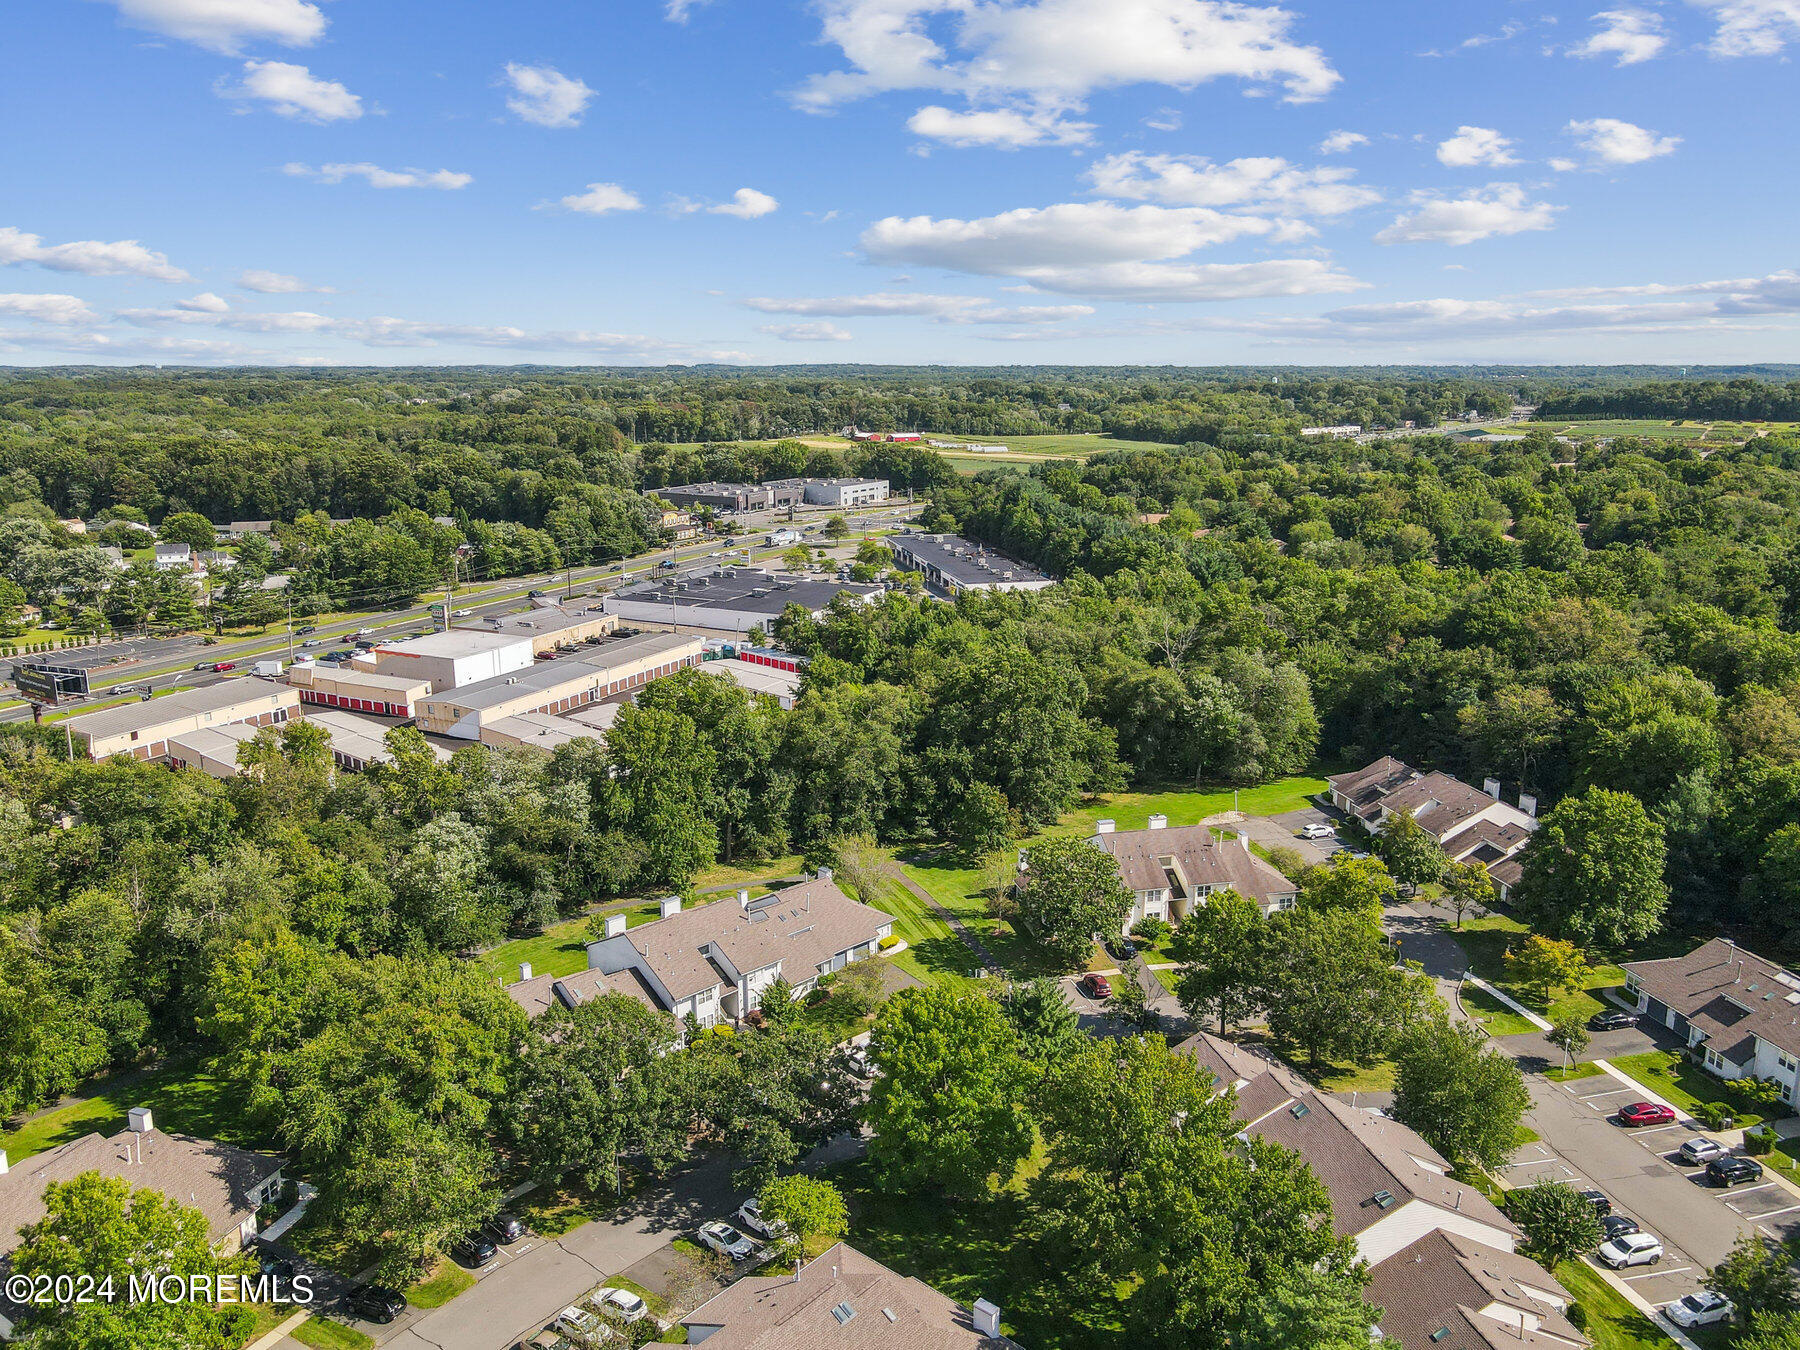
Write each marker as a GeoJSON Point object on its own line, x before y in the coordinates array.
{"type": "Point", "coordinates": [961, 309]}
{"type": "Point", "coordinates": [1266, 183]}
{"type": "Point", "coordinates": [204, 303]}
{"type": "Point", "coordinates": [1003, 128]}
{"type": "Point", "coordinates": [1473, 146]}
{"type": "Point", "coordinates": [1614, 142]}
{"type": "Point", "coordinates": [1629, 36]}
{"type": "Point", "coordinates": [90, 257]}
{"type": "Point", "coordinates": [1498, 209]}
{"type": "Point", "coordinates": [1342, 142]}
{"type": "Point", "coordinates": [1561, 165]}
{"type": "Point", "coordinates": [602, 199]}
{"type": "Point", "coordinates": [1752, 27]}
{"type": "Point", "coordinates": [376, 176]}
{"type": "Point", "coordinates": [1041, 60]}
{"type": "Point", "coordinates": [277, 283]}
{"type": "Point", "coordinates": [805, 332]}
{"type": "Point", "coordinates": [294, 91]}
{"type": "Point", "coordinates": [225, 26]}
{"type": "Point", "coordinates": [58, 309]}
{"type": "Point", "coordinates": [745, 204]}
{"type": "Point", "coordinates": [545, 96]}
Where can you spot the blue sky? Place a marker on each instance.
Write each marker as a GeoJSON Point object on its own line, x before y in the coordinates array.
{"type": "Point", "coordinates": [964, 181]}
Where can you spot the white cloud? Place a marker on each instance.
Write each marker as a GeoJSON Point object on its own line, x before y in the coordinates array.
{"type": "Point", "coordinates": [1266, 183]}
{"type": "Point", "coordinates": [204, 303]}
{"type": "Point", "coordinates": [805, 332]}
{"type": "Point", "coordinates": [1473, 146]}
{"type": "Point", "coordinates": [294, 91]}
{"type": "Point", "coordinates": [45, 308]}
{"type": "Point", "coordinates": [545, 96]}
{"type": "Point", "coordinates": [1753, 27]}
{"type": "Point", "coordinates": [1003, 128]}
{"type": "Point", "coordinates": [277, 283]}
{"type": "Point", "coordinates": [746, 204]}
{"type": "Point", "coordinates": [602, 199]}
{"type": "Point", "coordinates": [677, 11]}
{"type": "Point", "coordinates": [1616, 142]}
{"type": "Point", "coordinates": [1562, 165]}
{"type": "Point", "coordinates": [378, 177]}
{"type": "Point", "coordinates": [1042, 59]}
{"type": "Point", "coordinates": [224, 26]}
{"type": "Point", "coordinates": [1629, 35]}
{"type": "Point", "coordinates": [960, 309]}
{"type": "Point", "coordinates": [1164, 119]}
{"type": "Point", "coordinates": [1498, 209]}
{"type": "Point", "coordinates": [1342, 142]}
{"type": "Point", "coordinates": [90, 257]}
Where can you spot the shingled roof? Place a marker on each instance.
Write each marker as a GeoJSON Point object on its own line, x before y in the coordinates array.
{"type": "Point", "coordinates": [1202, 859]}
{"type": "Point", "coordinates": [1730, 994]}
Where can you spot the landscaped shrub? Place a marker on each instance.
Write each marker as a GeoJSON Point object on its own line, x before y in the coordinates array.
{"type": "Point", "coordinates": [889, 942]}
{"type": "Point", "coordinates": [1759, 1141]}
{"type": "Point", "coordinates": [1577, 1315]}
{"type": "Point", "coordinates": [1713, 1115]}
{"type": "Point", "coordinates": [1151, 929]}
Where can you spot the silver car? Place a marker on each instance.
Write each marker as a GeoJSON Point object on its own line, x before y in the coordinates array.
{"type": "Point", "coordinates": [726, 1241]}
{"type": "Point", "coordinates": [1700, 1150]}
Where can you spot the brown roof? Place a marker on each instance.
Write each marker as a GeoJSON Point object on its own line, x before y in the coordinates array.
{"type": "Point", "coordinates": [842, 1300]}
{"type": "Point", "coordinates": [1365, 788]}
{"type": "Point", "coordinates": [538, 994]}
{"type": "Point", "coordinates": [1730, 994]}
{"type": "Point", "coordinates": [1508, 872]}
{"type": "Point", "coordinates": [1228, 1062]}
{"type": "Point", "coordinates": [1438, 802]}
{"type": "Point", "coordinates": [216, 1179]}
{"type": "Point", "coordinates": [1432, 1294]}
{"type": "Point", "coordinates": [1490, 834]}
{"type": "Point", "coordinates": [1359, 1156]}
{"type": "Point", "coordinates": [1203, 860]}
{"type": "Point", "coordinates": [800, 927]}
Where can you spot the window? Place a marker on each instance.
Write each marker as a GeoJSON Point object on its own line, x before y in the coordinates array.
{"type": "Point", "coordinates": [843, 1312]}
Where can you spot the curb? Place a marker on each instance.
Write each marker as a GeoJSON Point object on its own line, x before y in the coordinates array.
{"type": "Point", "coordinates": [1644, 1306]}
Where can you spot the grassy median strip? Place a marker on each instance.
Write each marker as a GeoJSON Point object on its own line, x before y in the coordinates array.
{"type": "Point", "coordinates": [324, 1334]}
{"type": "Point", "coordinates": [444, 1284]}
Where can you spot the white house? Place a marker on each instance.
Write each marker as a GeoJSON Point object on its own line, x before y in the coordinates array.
{"type": "Point", "coordinates": [1170, 871]}
{"type": "Point", "coordinates": [1739, 1011]}
{"type": "Point", "coordinates": [1470, 824]}
{"type": "Point", "coordinates": [174, 558]}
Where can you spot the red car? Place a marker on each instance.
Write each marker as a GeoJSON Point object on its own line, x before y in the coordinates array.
{"type": "Point", "coordinates": [1095, 986]}
{"type": "Point", "coordinates": [1646, 1113]}
{"type": "Point", "coordinates": [224, 666]}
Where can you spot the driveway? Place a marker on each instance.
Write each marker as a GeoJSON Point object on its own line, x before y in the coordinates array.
{"type": "Point", "coordinates": [1280, 832]}
{"type": "Point", "coordinates": [1094, 1018]}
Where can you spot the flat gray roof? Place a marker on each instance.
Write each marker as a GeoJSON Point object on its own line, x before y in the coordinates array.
{"type": "Point", "coordinates": [534, 622]}
{"type": "Point", "coordinates": [587, 669]}
{"type": "Point", "coordinates": [963, 562]}
{"type": "Point", "coordinates": [746, 592]}
{"type": "Point", "coordinates": [246, 690]}
{"type": "Point", "coordinates": [454, 643]}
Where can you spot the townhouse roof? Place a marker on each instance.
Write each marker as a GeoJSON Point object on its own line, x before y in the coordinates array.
{"type": "Point", "coordinates": [1730, 994]}
{"type": "Point", "coordinates": [841, 1300]}
{"type": "Point", "coordinates": [541, 992]}
{"type": "Point", "coordinates": [1504, 839]}
{"type": "Point", "coordinates": [1438, 802]}
{"type": "Point", "coordinates": [1228, 1062]}
{"type": "Point", "coordinates": [1373, 780]}
{"type": "Point", "coordinates": [1370, 1165]}
{"type": "Point", "coordinates": [1202, 860]}
{"type": "Point", "coordinates": [1508, 872]}
{"type": "Point", "coordinates": [1432, 1294]}
{"type": "Point", "coordinates": [216, 1179]}
{"type": "Point", "coordinates": [801, 927]}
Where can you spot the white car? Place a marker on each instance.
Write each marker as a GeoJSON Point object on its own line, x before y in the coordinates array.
{"type": "Point", "coordinates": [621, 1303]}
{"type": "Point", "coordinates": [461, 613]}
{"type": "Point", "coordinates": [581, 1324]}
{"type": "Point", "coordinates": [750, 1215]}
{"type": "Point", "coordinates": [1701, 1308]}
{"type": "Point", "coordinates": [726, 1241]}
{"type": "Point", "coordinates": [1632, 1249]}
{"type": "Point", "coordinates": [1316, 830]}
{"type": "Point", "coordinates": [365, 632]}
{"type": "Point", "coordinates": [1700, 1150]}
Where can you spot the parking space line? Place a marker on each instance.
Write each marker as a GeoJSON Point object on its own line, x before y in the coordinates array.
{"type": "Point", "coordinates": [1776, 1212]}
{"type": "Point", "coordinates": [1746, 1190]}
{"type": "Point", "coordinates": [1658, 1129]}
{"type": "Point", "coordinates": [1610, 1092]}
{"type": "Point", "coordinates": [1653, 1274]}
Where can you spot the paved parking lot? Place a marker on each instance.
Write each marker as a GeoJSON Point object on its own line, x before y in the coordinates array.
{"type": "Point", "coordinates": [1093, 1017]}
{"type": "Point", "coordinates": [1280, 832]}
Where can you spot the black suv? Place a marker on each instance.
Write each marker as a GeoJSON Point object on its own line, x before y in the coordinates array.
{"type": "Point", "coordinates": [1616, 1226]}
{"type": "Point", "coordinates": [1731, 1169]}
{"type": "Point", "coordinates": [1612, 1019]}
{"type": "Point", "coordinates": [473, 1250]}
{"type": "Point", "coordinates": [1602, 1206]}
{"type": "Point", "coordinates": [504, 1227]}
{"type": "Point", "coordinates": [375, 1302]}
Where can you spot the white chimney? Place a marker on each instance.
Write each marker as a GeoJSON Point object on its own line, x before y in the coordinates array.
{"type": "Point", "coordinates": [140, 1120]}
{"type": "Point", "coordinates": [615, 925]}
{"type": "Point", "coordinates": [986, 1318]}
{"type": "Point", "coordinates": [1104, 827]}
{"type": "Point", "coordinates": [669, 904]}
{"type": "Point", "coordinates": [524, 970]}
{"type": "Point", "coordinates": [1528, 804]}
{"type": "Point", "coordinates": [825, 874]}
{"type": "Point", "coordinates": [1159, 821]}
{"type": "Point", "coordinates": [743, 899]}
{"type": "Point", "coordinates": [1491, 786]}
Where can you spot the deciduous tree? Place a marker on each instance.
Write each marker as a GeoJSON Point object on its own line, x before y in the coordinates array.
{"type": "Point", "coordinates": [1465, 1098]}
{"type": "Point", "coordinates": [1593, 872]}
{"type": "Point", "coordinates": [1072, 895]}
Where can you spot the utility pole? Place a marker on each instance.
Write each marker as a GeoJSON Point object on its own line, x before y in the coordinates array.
{"type": "Point", "coordinates": [288, 597]}
{"type": "Point", "coordinates": [450, 592]}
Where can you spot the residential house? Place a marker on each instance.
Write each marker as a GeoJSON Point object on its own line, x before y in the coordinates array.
{"type": "Point", "coordinates": [1738, 1013]}
{"type": "Point", "coordinates": [1445, 1292]}
{"type": "Point", "coordinates": [226, 1184]}
{"type": "Point", "coordinates": [1169, 871]}
{"type": "Point", "coordinates": [713, 961]}
{"type": "Point", "coordinates": [1470, 824]}
{"type": "Point", "coordinates": [174, 558]}
{"type": "Point", "coordinates": [844, 1300]}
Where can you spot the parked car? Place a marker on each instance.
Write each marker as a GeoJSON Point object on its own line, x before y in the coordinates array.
{"type": "Point", "coordinates": [474, 1250]}
{"type": "Point", "coordinates": [1616, 1226]}
{"type": "Point", "coordinates": [1096, 986]}
{"type": "Point", "coordinates": [750, 1215]}
{"type": "Point", "coordinates": [1316, 830]}
{"type": "Point", "coordinates": [313, 642]}
{"type": "Point", "coordinates": [1732, 1169]}
{"type": "Point", "coordinates": [543, 1340]}
{"type": "Point", "coordinates": [375, 1302]}
{"type": "Point", "coordinates": [1638, 1114]}
{"type": "Point", "coordinates": [581, 1325]}
{"type": "Point", "coordinates": [1701, 1308]}
{"type": "Point", "coordinates": [857, 1057]}
{"type": "Point", "coordinates": [621, 1304]}
{"type": "Point", "coordinates": [726, 1241]}
{"type": "Point", "coordinates": [277, 1267]}
{"type": "Point", "coordinates": [1633, 1249]}
{"type": "Point", "coordinates": [1602, 1206]}
{"type": "Point", "coordinates": [504, 1227]}
{"type": "Point", "coordinates": [1700, 1149]}
{"type": "Point", "coordinates": [1612, 1019]}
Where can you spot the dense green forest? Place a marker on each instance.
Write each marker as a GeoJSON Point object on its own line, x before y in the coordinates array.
{"type": "Point", "coordinates": [1740, 400]}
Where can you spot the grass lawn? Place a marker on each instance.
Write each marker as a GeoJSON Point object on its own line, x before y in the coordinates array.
{"type": "Point", "coordinates": [183, 1099]}
{"type": "Point", "coordinates": [1613, 1324]}
{"type": "Point", "coordinates": [1484, 1008]}
{"type": "Point", "coordinates": [324, 1334]}
{"type": "Point", "coordinates": [1486, 941]}
{"type": "Point", "coordinates": [1569, 1075]}
{"type": "Point", "coordinates": [265, 1317]}
{"type": "Point", "coordinates": [445, 1283]}
{"type": "Point", "coordinates": [1687, 1085]}
{"type": "Point", "coordinates": [1376, 1077]}
{"type": "Point", "coordinates": [554, 1211]}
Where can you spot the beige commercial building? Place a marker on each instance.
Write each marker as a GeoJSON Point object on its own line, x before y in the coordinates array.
{"type": "Point", "coordinates": [540, 731]}
{"type": "Point", "coordinates": [357, 742]}
{"type": "Point", "coordinates": [334, 686]}
{"type": "Point", "coordinates": [143, 729]}
{"type": "Point", "coordinates": [212, 750]}
{"type": "Point", "coordinates": [616, 667]}
{"type": "Point", "coordinates": [449, 660]}
{"type": "Point", "coordinates": [550, 629]}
